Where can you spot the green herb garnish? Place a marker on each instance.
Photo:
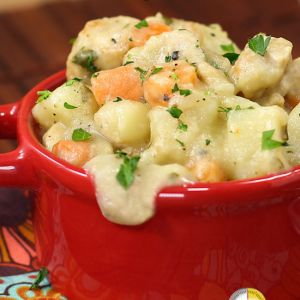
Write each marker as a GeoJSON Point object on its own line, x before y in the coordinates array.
{"type": "Point", "coordinates": [128, 62]}
{"type": "Point", "coordinates": [130, 39]}
{"type": "Point", "coordinates": [259, 45]}
{"type": "Point", "coordinates": [228, 48]}
{"type": "Point", "coordinates": [118, 99]}
{"type": "Point", "coordinates": [182, 127]}
{"type": "Point", "coordinates": [129, 56]}
{"type": "Point", "coordinates": [175, 112]}
{"type": "Point", "coordinates": [232, 57]}
{"type": "Point", "coordinates": [141, 24]}
{"type": "Point", "coordinates": [71, 41]}
{"type": "Point", "coordinates": [39, 278]}
{"type": "Point", "coordinates": [141, 71]}
{"type": "Point", "coordinates": [90, 66]}
{"type": "Point", "coordinates": [175, 89]}
{"type": "Point", "coordinates": [125, 175]}
{"type": "Point", "coordinates": [194, 65]}
{"type": "Point", "coordinates": [181, 29]}
{"type": "Point", "coordinates": [69, 106]}
{"type": "Point", "coordinates": [43, 95]}
{"type": "Point", "coordinates": [156, 70]}
{"type": "Point", "coordinates": [207, 142]}
{"type": "Point", "coordinates": [71, 81]}
{"type": "Point", "coordinates": [175, 76]}
{"type": "Point", "coordinates": [185, 92]}
{"type": "Point", "coordinates": [268, 144]}
{"type": "Point", "coordinates": [114, 40]}
{"type": "Point", "coordinates": [207, 93]}
{"type": "Point", "coordinates": [95, 75]}
{"type": "Point", "coordinates": [168, 58]}
{"type": "Point", "coordinates": [225, 109]}
{"type": "Point", "coordinates": [80, 135]}
{"type": "Point", "coordinates": [181, 143]}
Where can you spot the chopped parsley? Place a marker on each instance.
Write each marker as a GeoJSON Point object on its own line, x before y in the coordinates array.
{"type": "Point", "coordinates": [128, 62]}
{"type": "Point", "coordinates": [43, 95]}
{"type": "Point", "coordinates": [207, 142]}
{"type": "Point", "coordinates": [156, 70]}
{"type": "Point", "coordinates": [71, 81]}
{"type": "Point", "coordinates": [268, 143]}
{"type": "Point", "coordinates": [130, 39]}
{"type": "Point", "coordinates": [39, 278]}
{"type": "Point", "coordinates": [181, 29]}
{"type": "Point", "coordinates": [182, 127]}
{"type": "Point", "coordinates": [95, 75]}
{"type": "Point", "coordinates": [259, 45]}
{"type": "Point", "coordinates": [141, 71]}
{"type": "Point", "coordinates": [141, 24]}
{"type": "Point", "coordinates": [142, 77]}
{"type": "Point", "coordinates": [73, 40]}
{"type": "Point", "coordinates": [126, 25]}
{"type": "Point", "coordinates": [194, 65]}
{"type": "Point", "coordinates": [125, 175]}
{"type": "Point", "coordinates": [228, 109]}
{"type": "Point", "coordinates": [207, 93]}
{"type": "Point", "coordinates": [197, 46]}
{"type": "Point", "coordinates": [175, 76]}
{"type": "Point", "coordinates": [118, 99]}
{"type": "Point", "coordinates": [129, 56]}
{"type": "Point", "coordinates": [80, 135]}
{"type": "Point", "coordinates": [175, 89]}
{"type": "Point", "coordinates": [175, 112]}
{"type": "Point", "coordinates": [90, 66]}
{"type": "Point", "coordinates": [69, 106]}
{"type": "Point", "coordinates": [185, 92]}
{"type": "Point", "coordinates": [168, 59]}
{"type": "Point", "coordinates": [181, 143]}
{"type": "Point", "coordinates": [225, 109]}
{"type": "Point", "coordinates": [232, 57]}
{"type": "Point", "coordinates": [114, 40]}
{"type": "Point", "coordinates": [228, 48]}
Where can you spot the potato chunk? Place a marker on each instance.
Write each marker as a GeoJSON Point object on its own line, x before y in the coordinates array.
{"type": "Point", "coordinates": [253, 73]}
{"type": "Point", "coordinates": [52, 110]}
{"type": "Point", "coordinates": [103, 42]}
{"type": "Point", "coordinates": [244, 156]}
{"type": "Point", "coordinates": [124, 123]}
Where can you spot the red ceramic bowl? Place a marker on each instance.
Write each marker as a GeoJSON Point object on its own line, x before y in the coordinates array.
{"type": "Point", "coordinates": [205, 241]}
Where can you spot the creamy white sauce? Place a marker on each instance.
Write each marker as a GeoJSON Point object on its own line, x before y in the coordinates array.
{"type": "Point", "coordinates": [136, 204]}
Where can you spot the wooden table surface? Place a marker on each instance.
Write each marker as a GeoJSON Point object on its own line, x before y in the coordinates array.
{"type": "Point", "coordinates": [34, 43]}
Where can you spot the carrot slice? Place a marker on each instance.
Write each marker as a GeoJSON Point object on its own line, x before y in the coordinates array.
{"type": "Point", "coordinates": [76, 153]}
{"type": "Point", "coordinates": [141, 36]}
{"type": "Point", "coordinates": [124, 82]}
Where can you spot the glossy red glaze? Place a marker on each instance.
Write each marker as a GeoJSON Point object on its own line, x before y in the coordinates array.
{"type": "Point", "coordinates": [205, 241]}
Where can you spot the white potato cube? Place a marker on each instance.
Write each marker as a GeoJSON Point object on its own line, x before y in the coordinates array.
{"type": "Point", "coordinates": [124, 123]}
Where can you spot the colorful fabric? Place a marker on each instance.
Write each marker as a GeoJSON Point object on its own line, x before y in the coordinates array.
{"type": "Point", "coordinates": [17, 288]}
{"type": "Point", "coordinates": [18, 261]}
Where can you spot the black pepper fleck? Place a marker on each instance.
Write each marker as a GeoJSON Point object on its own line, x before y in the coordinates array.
{"type": "Point", "coordinates": [166, 97]}
{"type": "Point", "coordinates": [175, 55]}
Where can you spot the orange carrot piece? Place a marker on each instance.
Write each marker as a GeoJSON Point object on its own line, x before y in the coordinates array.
{"type": "Point", "coordinates": [124, 82]}
{"type": "Point", "coordinates": [141, 36]}
{"type": "Point", "coordinates": [76, 153]}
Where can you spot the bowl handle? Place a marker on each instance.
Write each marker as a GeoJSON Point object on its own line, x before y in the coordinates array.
{"type": "Point", "coordinates": [15, 170]}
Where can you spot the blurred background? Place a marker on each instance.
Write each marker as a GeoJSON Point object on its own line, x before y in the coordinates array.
{"type": "Point", "coordinates": [35, 34]}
